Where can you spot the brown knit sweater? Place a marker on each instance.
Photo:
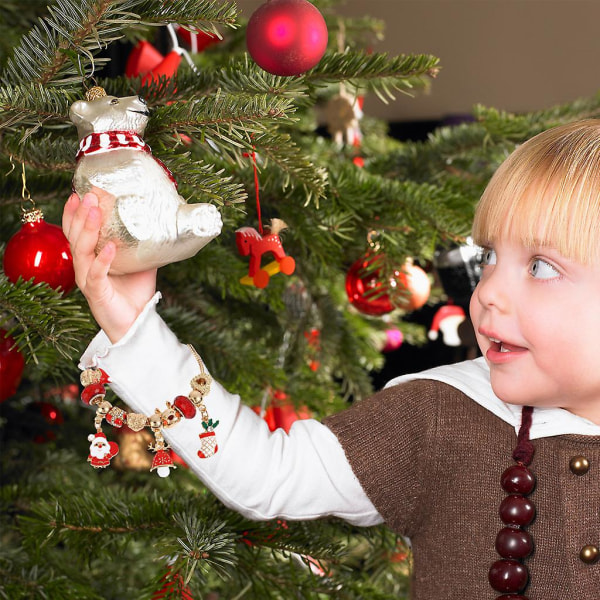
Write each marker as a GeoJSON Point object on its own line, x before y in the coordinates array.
{"type": "Point", "coordinates": [430, 460]}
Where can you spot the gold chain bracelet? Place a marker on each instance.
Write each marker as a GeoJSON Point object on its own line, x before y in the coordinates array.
{"type": "Point", "coordinates": [102, 451]}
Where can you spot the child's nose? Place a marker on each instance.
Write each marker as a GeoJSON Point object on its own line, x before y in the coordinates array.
{"type": "Point", "coordinates": [493, 290]}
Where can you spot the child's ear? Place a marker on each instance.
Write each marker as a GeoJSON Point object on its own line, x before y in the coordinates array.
{"type": "Point", "coordinates": [78, 111]}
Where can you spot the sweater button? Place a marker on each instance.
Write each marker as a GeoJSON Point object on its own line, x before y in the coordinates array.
{"type": "Point", "coordinates": [589, 554]}
{"type": "Point", "coordinates": [579, 465]}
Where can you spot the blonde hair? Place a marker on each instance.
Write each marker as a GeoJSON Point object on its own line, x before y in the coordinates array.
{"type": "Point", "coordinates": [547, 193]}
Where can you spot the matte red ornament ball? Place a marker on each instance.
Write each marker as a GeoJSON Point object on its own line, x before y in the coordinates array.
{"type": "Point", "coordinates": [12, 364]}
{"type": "Point", "coordinates": [286, 37]}
{"type": "Point", "coordinates": [40, 250]}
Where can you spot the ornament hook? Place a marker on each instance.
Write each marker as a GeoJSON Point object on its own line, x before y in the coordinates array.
{"type": "Point", "coordinates": [32, 214]}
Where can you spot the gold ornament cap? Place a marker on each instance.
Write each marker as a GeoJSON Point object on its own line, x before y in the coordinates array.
{"type": "Point", "coordinates": [32, 216]}
{"type": "Point", "coordinates": [94, 93]}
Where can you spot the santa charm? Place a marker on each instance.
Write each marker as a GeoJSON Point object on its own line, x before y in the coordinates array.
{"type": "Point", "coordinates": [142, 212]}
{"type": "Point", "coordinates": [101, 450]}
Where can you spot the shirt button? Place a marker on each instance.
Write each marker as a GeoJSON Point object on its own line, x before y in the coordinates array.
{"type": "Point", "coordinates": [579, 465]}
{"type": "Point", "coordinates": [589, 554]}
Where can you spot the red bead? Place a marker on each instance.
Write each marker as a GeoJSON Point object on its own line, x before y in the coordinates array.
{"type": "Point", "coordinates": [517, 510]}
{"type": "Point", "coordinates": [508, 576]}
{"type": "Point", "coordinates": [104, 378]}
{"type": "Point", "coordinates": [185, 406]}
{"type": "Point", "coordinates": [40, 250]}
{"type": "Point", "coordinates": [513, 543]}
{"type": "Point", "coordinates": [518, 479]}
{"type": "Point", "coordinates": [91, 391]}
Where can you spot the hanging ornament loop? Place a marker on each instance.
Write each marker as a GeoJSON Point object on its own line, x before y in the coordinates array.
{"type": "Point", "coordinates": [32, 214]}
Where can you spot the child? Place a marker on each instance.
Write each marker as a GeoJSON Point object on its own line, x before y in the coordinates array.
{"type": "Point", "coordinates": [430, 454]}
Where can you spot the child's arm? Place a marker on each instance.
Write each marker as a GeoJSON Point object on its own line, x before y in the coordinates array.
{"type": "Point", "coordinates": [261, 474]}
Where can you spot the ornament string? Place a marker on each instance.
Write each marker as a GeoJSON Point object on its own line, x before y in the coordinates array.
{"type": "Point", "coordinates": [252, 155]}
{"type": "Point", "coordinates": [181, 51]}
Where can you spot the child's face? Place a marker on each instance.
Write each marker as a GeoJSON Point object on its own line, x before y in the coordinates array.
{"type": "Point", "coordinates": [536, 315]}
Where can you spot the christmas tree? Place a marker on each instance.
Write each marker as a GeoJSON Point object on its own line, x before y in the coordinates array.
{"type": "Point", "coordinates": [259, 146]}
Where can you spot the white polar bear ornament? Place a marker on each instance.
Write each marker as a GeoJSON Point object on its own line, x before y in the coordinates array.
{"type": "Point", "coordinates": [142, 213]}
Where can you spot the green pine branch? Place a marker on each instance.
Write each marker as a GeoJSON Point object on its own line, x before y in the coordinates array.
{"type": "Point", "coordinates": [376, 72]}
{"type": "Point", "coordinates": [43, 321]}
{"type": "Point", "coordinates": [227, 121]}
{"type": "Point", "coordinates": [29, 106]}
{"type": "Point", "coordinates": [203, 181]}
{"type": "Point", "coordinates": [203, 15]}
{"type": "Point", "coordinates": [61, 49]}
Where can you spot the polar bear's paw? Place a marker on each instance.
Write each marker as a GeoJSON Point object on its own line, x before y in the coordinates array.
{"type": "Point", "coordinates": [204, 220]}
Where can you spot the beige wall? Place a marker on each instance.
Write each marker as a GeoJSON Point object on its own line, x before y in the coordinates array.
{"type": "Point", "coordinates": [516, 55]}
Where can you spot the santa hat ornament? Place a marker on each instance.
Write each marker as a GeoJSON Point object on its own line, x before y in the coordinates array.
{"type": "Point", "coordinates": [447, 320]}
{"type": "Point", "coordinates": [162, 463]}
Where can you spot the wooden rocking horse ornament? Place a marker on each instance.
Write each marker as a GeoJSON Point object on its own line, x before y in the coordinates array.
{"type": "Point", "coordinates": [251, 242]}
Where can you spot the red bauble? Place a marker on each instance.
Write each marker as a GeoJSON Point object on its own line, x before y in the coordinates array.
{"type": "Point", "coordinates": [11, 366]}
{"type": "Point", "coordinates": [286, 37]}
{"type": "Point", "coordinates": [40, 250]}
{"type": "Point", "coordinates": [407, 288]}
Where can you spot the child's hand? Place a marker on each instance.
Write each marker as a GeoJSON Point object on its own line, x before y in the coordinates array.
{"type": "Point", "coordinates": [115, 300]}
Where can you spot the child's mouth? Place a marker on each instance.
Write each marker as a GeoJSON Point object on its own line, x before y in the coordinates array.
{"type": "Point", "coordinates": [501, 346]}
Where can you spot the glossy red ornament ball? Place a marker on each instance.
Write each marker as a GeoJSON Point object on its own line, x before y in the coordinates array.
{"type": "Point", "coordinates": [12, 364]}
{"type": "Point", "coordinates": [407, 288]}
{"type": "Point", "coordinates": [40, 250]}
{"type": "Point", "coordinates": [364, 287]}
{"type": "Point", "coordinates": [286, 37]}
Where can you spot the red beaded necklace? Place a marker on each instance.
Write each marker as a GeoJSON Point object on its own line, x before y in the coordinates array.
{"type": "Point", "coordinates": [509, 575]}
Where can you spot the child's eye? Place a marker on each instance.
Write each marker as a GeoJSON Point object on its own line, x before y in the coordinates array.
{"type": "Point", "coordinates": [540, 269]}
{"type": "Point", "coordinates": [488, 257]}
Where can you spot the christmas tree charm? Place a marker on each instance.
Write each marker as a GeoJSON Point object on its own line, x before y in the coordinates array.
{"type": "Point", "coordinates": [250, 242]}
{"type": "Point", "coordinates": [286, 37]}
{"type": "Point", "coordinates": [12, 364]}
{"type": "Point", "coordinates": [40, 251]}
{"type": "Point", "coordinates": [150, 223]}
